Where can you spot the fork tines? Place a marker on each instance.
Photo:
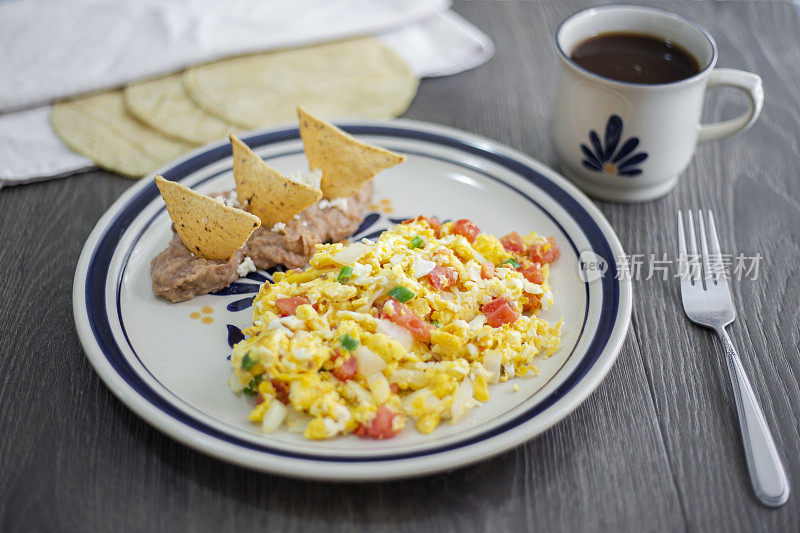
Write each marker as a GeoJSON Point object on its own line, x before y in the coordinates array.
{"type": "Point", "coordinates": [706, 267]}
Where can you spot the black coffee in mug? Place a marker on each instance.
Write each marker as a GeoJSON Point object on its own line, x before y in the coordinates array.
{"type": "Point", "coordinates": [635, 58]}
{"type": "Point", "coordinates": [629, 142]}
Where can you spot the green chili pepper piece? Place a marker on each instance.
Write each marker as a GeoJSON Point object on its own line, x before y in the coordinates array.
{"type": "Point", "coordinates": [344, 274]}
{"type": "Point", "coordinates": [513, 262]}
{"type": "Point", "coordinates": [401, 294]}
{"type": "Point", "coordinates": [348, 342]}
{"type": "Point", "coordinates": [248, 361]}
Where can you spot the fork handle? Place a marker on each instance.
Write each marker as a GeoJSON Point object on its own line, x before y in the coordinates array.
{"type": "Point", "coordinates": [763, 462]}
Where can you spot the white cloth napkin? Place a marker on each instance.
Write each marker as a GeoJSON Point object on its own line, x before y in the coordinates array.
{"type": "Point", "coordinates": [53, 50]}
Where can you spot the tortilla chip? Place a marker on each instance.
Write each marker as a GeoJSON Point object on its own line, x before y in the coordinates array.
{"type": "Point", "coordinates": [270, 195]}
{"type": "Point", "coordinates": [346, 163]}
{"type": "Point", "coordinates": [163, 104]}
{"type": "Point", "coordinates": [348, 79]}
{"type": "Point", "coordinates": [207, 227]}
{"type": "Point", "coordinates": [100, 127]}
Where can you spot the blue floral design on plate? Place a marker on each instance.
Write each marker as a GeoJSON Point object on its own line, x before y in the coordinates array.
{"type": "Point", "coordinates": [604, 157]}
{"type": "Point", "coordinates": [242, 287]}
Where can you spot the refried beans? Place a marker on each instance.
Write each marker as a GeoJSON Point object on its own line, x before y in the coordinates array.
{"type": "Point", "coordinates": [178, 275]}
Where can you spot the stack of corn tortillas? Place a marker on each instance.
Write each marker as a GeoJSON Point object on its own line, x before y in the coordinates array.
{"type": "Point", "coordinates": [136, 130]}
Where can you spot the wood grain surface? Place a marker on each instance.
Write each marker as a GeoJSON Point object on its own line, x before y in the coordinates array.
{"type": "Point", "coordinates": [655, 448]}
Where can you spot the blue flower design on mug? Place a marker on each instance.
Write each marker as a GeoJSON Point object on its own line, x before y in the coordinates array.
{"type": "Point", "coordinates": [604, 157]}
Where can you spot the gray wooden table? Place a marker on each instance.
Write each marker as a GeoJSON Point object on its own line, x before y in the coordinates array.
{"type": "Point", "coordinates": [655, 448]}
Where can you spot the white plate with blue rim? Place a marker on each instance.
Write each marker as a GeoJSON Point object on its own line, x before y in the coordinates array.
{"type": "Point", "coordinates": [169, 362]}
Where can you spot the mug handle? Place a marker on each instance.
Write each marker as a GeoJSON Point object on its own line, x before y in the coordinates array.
{"type": "Point", "coordinates": [744, 81]}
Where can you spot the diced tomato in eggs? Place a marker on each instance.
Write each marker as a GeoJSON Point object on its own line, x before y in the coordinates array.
{"type": "Point", "coordinates": [500, 311]}
{"type": "Point", "coordinates": [513, 243]}
{"type": "Point", "coordinates": [346, 369]}
{"type": "Point", "coordinates": [487, 270]}
{"type": "Point", "coordinates": [442, 277]}
{"type": "Point", "coordinates": [533, 273]}
{"type": "Point", "coordinates": [532, 302]}
{"type": "Point", "coordinates": [466, 228]}
{"type": "Point", "coordinates": [546, 252]}
{"type": "Point", "coordinates": [401, 315]}
{"type": "Point", "coordinates": [288, 306]}
{"type": "Point", "coordinates": [381, 425]}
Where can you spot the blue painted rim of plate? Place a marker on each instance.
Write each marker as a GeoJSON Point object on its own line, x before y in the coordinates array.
{"type": "Point", "coordinates": [98, 271]}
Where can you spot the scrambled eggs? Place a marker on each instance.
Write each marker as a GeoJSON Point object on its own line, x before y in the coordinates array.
{"type": "Point", "coordinates": [410, 329]}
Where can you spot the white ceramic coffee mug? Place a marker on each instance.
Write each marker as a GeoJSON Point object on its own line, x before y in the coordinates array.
{"type": "Point", "coordinates": [629, 142]}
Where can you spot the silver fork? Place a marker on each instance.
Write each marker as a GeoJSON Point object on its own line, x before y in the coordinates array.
{"type": "Point", "coordinates": [707, 302]}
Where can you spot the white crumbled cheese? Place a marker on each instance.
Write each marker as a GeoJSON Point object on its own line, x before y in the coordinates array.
{"type": "Point", "coordinates": [509, 368]}
{"type": "Point", "coordinates": [472, 349]}
{"type": "Point", "coordinates": [311, 178]}
{"type": "Point", "coordinates": [530, 351]}
{"type": "Point", "coordinates": [292, 322]}
{"type": "Point", "coordinates": [336, 424]}
{"type": "Point", "coordinates": [515, 284]}
{"type": "Point", "coordinates": [396, 259]}
{"type": "Point", "coordinates": [460, 324]}
{"type": "Point", "coordinates": [275, 323]}
{"type": "Point", "coordinates": [361, 270]}
{"type": "Point", "coordinates": [341, 413]}
{"type": "Point", "coordinates": [278, 226]}
{"type": "Point", "coordinates": [331, 426]}
{"type": "Point", "coordinates": [397, 423]}
{"type": "Point", "coordinates": [422, 267]}
{"type": "Point", "coordinates": [473, 271]}
{"type": "Point", "coordinates": [245, 267]}
{"type": "Point", "coordinates": [301, 354]}
{"type": "Point", "coordinates": [391, 241]}
{"type": "Point", "coordinates": [338, 203]}
{"type": "Point", "coordinates": [361, 274]}
{"type": "Point", "coordinates": [531, 288]}
{"type": "Point", "coordinates": [232, 200]}
{"type": "Point", "coordinates": [514, 337]}
{"type": "Point", "coordinates": [477, 322]}
{"type": "Point", "coordinates": [547, 300]}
